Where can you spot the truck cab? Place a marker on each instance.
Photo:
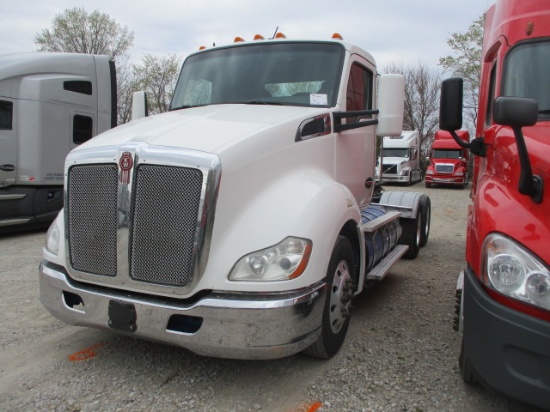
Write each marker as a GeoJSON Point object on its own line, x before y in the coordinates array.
{"type": "Point", "coordinates": [239, 224]}
{"type": "Point", "coordinates": [50, 103]}
{"type": "Point", "coordinates": [448, 161]}
{"type": "Point", "coordinates": [503, 294]}
{"type": "Point", "coordinates": [401, 158]}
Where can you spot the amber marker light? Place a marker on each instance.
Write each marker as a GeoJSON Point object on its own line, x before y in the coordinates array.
{"type": "Point", "coordinates": [337, 36]}
{"type": "Point", "coordinates": [259, 37]}
{"type": "Point", "coordinates": [303, 263]}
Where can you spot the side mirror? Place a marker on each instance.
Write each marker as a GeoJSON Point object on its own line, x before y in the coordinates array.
{"type": "Point", "coordinates": [518, 112]}
{"type": "Point", "coordinates": [515, 112]}
{"type": "Point", "coordinates": [391, 100]}
{"type": "Point", "coordinates": [139, 105]}
{"type": "Point", "coordinates": [450, 104]}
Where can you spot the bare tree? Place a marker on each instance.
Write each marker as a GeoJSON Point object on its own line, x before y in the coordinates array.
{"type": "Point", "coordinates": [157, 76]}
{"type": "Point", "coordinates": [466, 63]}
{"type": "Point", "coordinates": [421, 109]}
{"type": "Point", "coordinates": [126, 86]}
{"type": "Point", "coordinates": [77, 31]}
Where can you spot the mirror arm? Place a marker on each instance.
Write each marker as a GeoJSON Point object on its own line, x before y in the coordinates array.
{"type": "Point", "coordinates": [528, 185]}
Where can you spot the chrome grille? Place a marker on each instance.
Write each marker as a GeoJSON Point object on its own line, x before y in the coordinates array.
{"type": "Point", "coordinates": [444, 168]}
{"type": "Point", "coordinates": [166, 203]}
{"type": "Point", "coordinates": [92, 218]}
{"type": "Point", "coordinates": [389, 168]}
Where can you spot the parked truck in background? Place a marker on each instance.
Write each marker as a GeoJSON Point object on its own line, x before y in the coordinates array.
{"type": "Point", "coordinates": [504, 292]}
{"type": "Point", "coordinates": [238, 224]}
{"type": "Point", "coordinates": [49, 104]}
{"type": "Point", "coordinates": [401, 158]}
{"type": "Point", "coordinates": [448, 161]}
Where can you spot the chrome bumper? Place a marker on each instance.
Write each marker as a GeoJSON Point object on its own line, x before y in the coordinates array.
{"type": "Point", "coordinates": [395, 178]}
{"type": "Point", "coordinates": [239, 326]}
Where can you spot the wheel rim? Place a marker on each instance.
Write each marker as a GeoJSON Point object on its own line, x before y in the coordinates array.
{"type": "Point", "coordinates": [340, 296]}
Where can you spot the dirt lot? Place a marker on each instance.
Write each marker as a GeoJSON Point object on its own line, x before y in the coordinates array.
{"type": "Point", "coordinates": [400, 352]}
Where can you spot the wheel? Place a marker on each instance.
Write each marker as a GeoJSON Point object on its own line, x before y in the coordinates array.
{"type": "Point", "coordinates": [425, 217]}
{"type": "Point", "coordinates": [428, 185]}
{"type": "Point", "coordinates": [411, 235]}
{"type": "Point", "coordinates": [336, 313]}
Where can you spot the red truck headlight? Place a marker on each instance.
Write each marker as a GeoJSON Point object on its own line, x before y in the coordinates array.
{"type": "Point", "coordinates": [515, 272]}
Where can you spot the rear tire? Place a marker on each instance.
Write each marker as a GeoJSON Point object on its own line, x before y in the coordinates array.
{"type": "Point", "coordinates": [412, 232]}
{"type": "Point", "coordinates": [425, 217]}
{"type": "Point", "coordinates": [336, 313]}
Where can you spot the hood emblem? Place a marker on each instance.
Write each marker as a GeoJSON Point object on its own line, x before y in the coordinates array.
{"type": "Point", "coordinates": [126, 163]}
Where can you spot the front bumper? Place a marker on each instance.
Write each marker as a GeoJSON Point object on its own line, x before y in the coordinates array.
{"type": "Point", "coordinates": [228, 325]}
{"type": "Point", "coordinates": [395, 178]}
{"type": "Point", "coordinates": [444, 180]}
{"type": "Point", "coordinates": [507, 349]}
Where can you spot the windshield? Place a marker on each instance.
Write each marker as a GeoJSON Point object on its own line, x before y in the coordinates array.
{"type": "Point", "coordinates": [395, 152]}
{"type": "Point", "coordinates": [447, 154]}
{"type": "Point", "coordinates": [526, 74]}
{"type": "Point", "coordinates": [304, 74]}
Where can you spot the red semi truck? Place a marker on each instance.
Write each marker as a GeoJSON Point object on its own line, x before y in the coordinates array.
{"type": "Point", "coordinates": [448, 162]}
{"type": "Point", "coordinates": [504, 292]}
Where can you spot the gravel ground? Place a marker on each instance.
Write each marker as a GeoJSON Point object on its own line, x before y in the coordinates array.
{"type": "Point", "coordinates": [400, 353]}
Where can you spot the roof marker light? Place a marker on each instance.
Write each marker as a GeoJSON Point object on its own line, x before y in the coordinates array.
{"type": "Point", "coordinates": [280, 36]}
{"type": "Point", "coordinates": [259, 37]}
{"type": "Point", "coordinates": [337, 36]}
{"type": "Point", "coordinates": [202, 47]}
{"type": "Point", "coordinates": [238, 40]}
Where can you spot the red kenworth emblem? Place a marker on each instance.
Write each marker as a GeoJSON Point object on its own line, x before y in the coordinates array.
{"type": "Point", "coordinates": [126, 162]}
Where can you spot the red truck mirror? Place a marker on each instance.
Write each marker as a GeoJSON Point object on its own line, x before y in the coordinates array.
{"type": "Point", "coordinates": [518, 112]}
{"type": "Point", "coordinates": [450, 104]}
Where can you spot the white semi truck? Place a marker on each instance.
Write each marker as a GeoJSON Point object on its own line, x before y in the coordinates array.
{"type": "Point", "coordinates": [238, 224]}
{"type": "Point", "coordinates": [401, 158]}
{"type": "Point", "coordinates": [49, 104]}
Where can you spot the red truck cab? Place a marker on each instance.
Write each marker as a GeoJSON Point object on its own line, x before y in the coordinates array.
{"type": "Point", "coordinates": [448, 162]}
{"type": "Point", "coordinates": [504, 291]}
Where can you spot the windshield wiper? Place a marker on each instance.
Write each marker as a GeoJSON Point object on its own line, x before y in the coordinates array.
{"type": "Point", "coordinates": [185, 106]}
{"type": "Point", "coordinates": [260, 102]}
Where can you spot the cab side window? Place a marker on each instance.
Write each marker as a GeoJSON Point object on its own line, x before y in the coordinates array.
{"type": "Point", "coordinates": [6, 115]}
{"type": "Point", "coordinates": [359, 90]}
{"type": "Point", "coordinates": [83, 128]}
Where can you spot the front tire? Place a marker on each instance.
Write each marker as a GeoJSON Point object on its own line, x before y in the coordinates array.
{"type": "Point", "coordinates": [336, 314]}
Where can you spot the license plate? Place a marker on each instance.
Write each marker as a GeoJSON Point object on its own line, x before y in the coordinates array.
{"type": "Point", "coordinates": [122, 316]}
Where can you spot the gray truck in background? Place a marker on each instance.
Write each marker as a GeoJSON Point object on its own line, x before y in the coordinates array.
{"type": "Point", "coordinates": [49, 104]}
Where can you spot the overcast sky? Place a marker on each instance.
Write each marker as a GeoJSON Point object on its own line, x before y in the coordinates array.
{"type": "Point", "coordinates": [391, 30]}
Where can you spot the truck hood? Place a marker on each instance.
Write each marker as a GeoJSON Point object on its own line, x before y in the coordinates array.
{"type": "Point", "coordinates": [205, 128]}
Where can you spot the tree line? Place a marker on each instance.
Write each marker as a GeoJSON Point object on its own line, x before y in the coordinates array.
{"type": "Point", "coordinates": [77, 31]}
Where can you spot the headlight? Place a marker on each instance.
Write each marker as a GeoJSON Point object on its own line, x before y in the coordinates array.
{"type": "Point", "coordinates": [429, 172]}
{"type": "Point", "coordinates": [459, 173]}
{"type": "Point", "coordinates": [515, 272]}
{"type": "Point", "coordinates": [284, 261]}
{"type": "Point", "coordinates": [52, 239]}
